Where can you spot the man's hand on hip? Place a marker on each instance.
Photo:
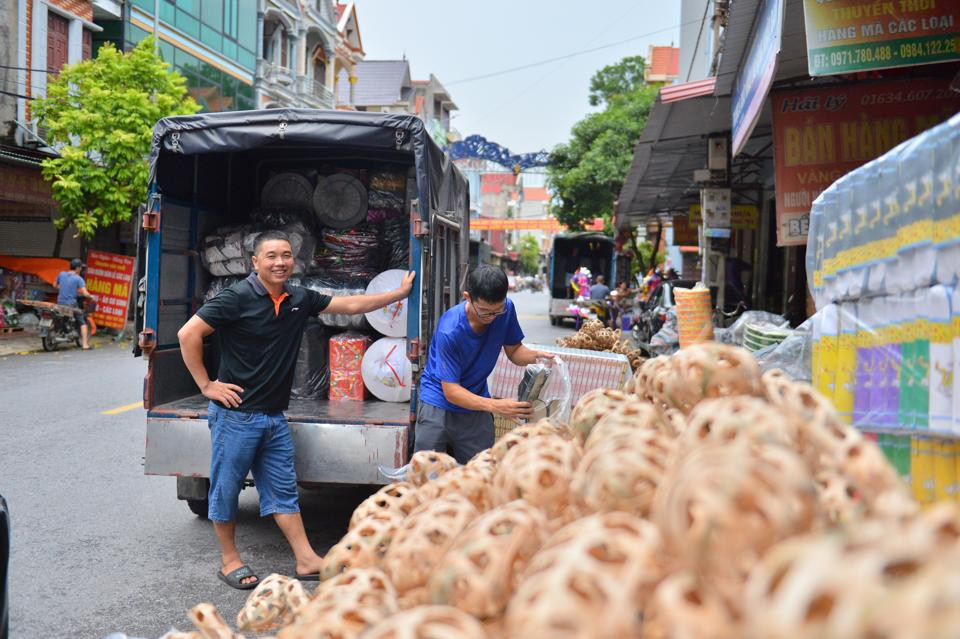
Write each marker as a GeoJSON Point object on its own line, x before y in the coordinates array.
{"type": "Point", "coordinates": [226, 394]}
{"type": "Point", "coordinates": [512, 409]}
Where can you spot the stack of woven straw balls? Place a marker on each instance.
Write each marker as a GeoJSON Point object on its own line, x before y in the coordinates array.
{"type": "Point", "coordinates": [594, 336]}
{"type": "Point", "coordinates": [704, 500]}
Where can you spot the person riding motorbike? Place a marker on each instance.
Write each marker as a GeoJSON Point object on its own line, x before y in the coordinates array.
{"type": "Point", "coordinates": [71, 287]}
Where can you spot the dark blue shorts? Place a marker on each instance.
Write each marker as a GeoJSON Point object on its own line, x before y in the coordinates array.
{"type": "Point", "coordinates": [462, 435]}
{"type": "Point", "coordinates": [257, 443]}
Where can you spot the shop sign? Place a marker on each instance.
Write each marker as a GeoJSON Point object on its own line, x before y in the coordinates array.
{"type": "Point", "coordinates": [686, 232]}
{"type": "Point", "coordinates": [821, 134]}
{"type": "Point", "coordinates": [756, 77]}
{"type": "Point", "coordinates": [715, 204]}
{"type": "Point", "coordinates": [743, 217]}
{"type": "Point", "coordinates": [845, 36]}
{"type": "Point", "coordinates": [108, 278]}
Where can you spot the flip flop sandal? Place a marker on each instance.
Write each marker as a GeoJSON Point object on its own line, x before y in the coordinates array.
{"type": "Point", "coordinates": [311, 577]}
{"type": "Point", "coordinates": [235, 578]}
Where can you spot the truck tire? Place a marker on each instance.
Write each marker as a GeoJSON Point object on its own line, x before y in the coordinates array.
{"type": "Point", "coordinates": [199, 507]}
{"type": "Point", "coordinates": [554, 320]}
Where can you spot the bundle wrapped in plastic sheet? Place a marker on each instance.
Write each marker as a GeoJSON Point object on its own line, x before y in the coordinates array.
{"type": "Point", "coordinates": [336, 287]}
{"type": "Point", "coordinates": [350, 252]}
{"type": "Point", "coordinates": [302, 242]}
{"type": "Point", "coordinates": [217, 284]}
{"type": "Point", "coordinates": [222, 251]}
{"type": "Point", "coordinates": [278, 217]}
{"type": "Point", "coordinates": [395, 241]}
{"type": "Point", "coordinates": [380, 215]}
{"type": "Point", "coordinates": [311, 374]}
{"type": "Point", "coordinates": [387, 190]}
{"type": "Point", "coordinates": [737, 330]}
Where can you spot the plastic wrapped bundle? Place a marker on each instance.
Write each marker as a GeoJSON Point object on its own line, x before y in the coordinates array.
{"type": "Point", "coordinates": [222, 251]}
{"type": "Point", "coordinates": [391, 320]}
{"type": "Point", "coordinates": [381, 215]}
{"type": "Point", "coordinates": [346, 357]}
{"type": "Point", "coordinates": [278, 217]}
{"type": "Point", "coordinates": [387, 190]}
{"type": "Point", "coordinates": [217, 284]}
{"type": "Point", "coordinates": [386, 370]}
{"type": "Point", "coordinates": [351, 252]}
{"type": "Point", "coordinates": [395, 240]}
{"type": "Point", "coordinates": [338, 287]}
{"type": "Point", "coordinates": [311, 375]}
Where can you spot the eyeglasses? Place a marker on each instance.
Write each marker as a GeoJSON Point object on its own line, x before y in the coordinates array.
{"type": "Point", "coordinates": [476, 310]}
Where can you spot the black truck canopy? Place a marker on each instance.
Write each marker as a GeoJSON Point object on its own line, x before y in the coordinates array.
{"type": "Point", "coordinates": [439, 182]}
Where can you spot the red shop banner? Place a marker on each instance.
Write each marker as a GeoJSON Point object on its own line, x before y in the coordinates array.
{"type": "Point", "coordinates": [109, 278]}
{"type": "Point", "coordinates": [819, 135]}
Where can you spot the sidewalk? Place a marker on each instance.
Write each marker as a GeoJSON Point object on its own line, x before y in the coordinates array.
{"type": "Point", "coordinates": [27, 342]}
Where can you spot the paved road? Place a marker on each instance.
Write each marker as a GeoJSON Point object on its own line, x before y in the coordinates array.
{"type": "Point", "coordinates": [97, 546]}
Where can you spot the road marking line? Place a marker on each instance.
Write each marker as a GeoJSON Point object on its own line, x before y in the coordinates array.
{"type": "Point", "coordinates": [123, 409]}
{"type": "Point", "coordinates": [531, 317]}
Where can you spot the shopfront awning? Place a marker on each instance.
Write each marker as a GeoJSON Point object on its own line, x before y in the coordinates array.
{"type": "Point", "coordinates": [674, 143]}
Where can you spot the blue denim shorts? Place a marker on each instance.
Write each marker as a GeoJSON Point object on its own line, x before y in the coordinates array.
{"type": "Point", "coordinates": [250, 442]}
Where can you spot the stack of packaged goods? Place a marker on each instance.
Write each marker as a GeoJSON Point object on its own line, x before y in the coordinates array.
{"type": "Point", "coordinates": [883, 259]}
{"type": "Point", "coordinates": [346, 358]}
{"type": "Point", "coordinates": [694, 315]}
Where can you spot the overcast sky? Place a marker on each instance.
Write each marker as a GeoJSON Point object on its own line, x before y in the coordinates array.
{"type": "Point", "coordinates": [526, 110]}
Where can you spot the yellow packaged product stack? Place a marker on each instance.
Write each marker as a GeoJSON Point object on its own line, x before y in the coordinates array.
{"type": "Point", "coordinates": [694, 320]}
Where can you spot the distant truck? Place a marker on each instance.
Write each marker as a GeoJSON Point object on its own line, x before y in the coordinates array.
{"type": "Point", "coordinates": [207, 171]}
{"type": "Point", "coordinates": [570, 251]}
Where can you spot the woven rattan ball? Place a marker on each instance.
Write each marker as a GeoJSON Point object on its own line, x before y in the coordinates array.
{"type": "Point", "coordinates": [651, 380]}
{"type": "Point", "coordinates": [363, 546]}
{"type": "Point", "coordinates": [675, 422]}
{"type": "Point", "coordinates": [591, 579]}
{"type": "Point", "coordinates": [272, 604]}
{"type": "Point", "coordinates": [485, 463]}
{"type": "Point", "coordinates": [592, 406]}
{"type": "Point", "coordinates": [399, 498]}
{"type": "Point", "coordinates": [479, 572]}
{"type": "Point", "coordinates": [632, 415]}
{"type": "Point", "coordinates": [863, 463]}
{"type": "Point", "coordinates": [544, 427]}
{"type": "Point", "coordinates": [471, 482]}
{"type": "Point", "coordinates": [424, 538]}
{"type": "Point", "coordinates": [741, 417]}
{"type": "Point", "coordinates": [428, 464]}
{"type": "Point", "coordinates": [720, 506]}
{"type": "Point", "coordinates": [683, 607]}
{"type": "Point", "coordinates": [707, 370]}
{"type": "Point", "coordinates": [837, 497]}
{"type": "Point", "coordinates": [210, 624]}
{"type": "Point", "coordinates": [622, 472]}
{"type": "Point", "coordinates": [367, 586]}
{"type": "Point", "coordinates": [428, 622]}
{"type": "Point", "coordinates": [538, 471]}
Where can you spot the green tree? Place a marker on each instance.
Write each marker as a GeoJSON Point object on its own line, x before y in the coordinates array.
{"type": "Point", "coordinates": [587, 173]}
{"type": "Point", "coordinates": [529, 254]}
{"type": "Point", "coordinates": [99, 115]}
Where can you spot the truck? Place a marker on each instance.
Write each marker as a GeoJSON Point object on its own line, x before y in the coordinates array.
{"type": "Point", "coordinates": [569, 252]}
{"type": "Point", "coordinates": [206, 172]}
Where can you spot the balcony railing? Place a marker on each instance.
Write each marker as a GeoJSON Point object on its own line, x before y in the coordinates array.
{"type": "Point", "coordinates": [316, 92]}
{"type": "Point", "coordinates": [274, 73]}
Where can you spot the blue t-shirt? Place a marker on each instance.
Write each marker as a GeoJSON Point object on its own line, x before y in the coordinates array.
{"type": "Point", "coordinates": [457, 354]}
{"type": "Point", "coordinates": [69, 283]}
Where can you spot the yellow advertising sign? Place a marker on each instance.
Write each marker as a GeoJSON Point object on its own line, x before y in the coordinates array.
{"type": "Point", "coordinates": [743, 217]}
{"type": "Point", "coordinates": [846, 36]}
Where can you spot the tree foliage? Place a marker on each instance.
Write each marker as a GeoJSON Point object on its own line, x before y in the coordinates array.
{"type": "Point", "coordinates": [99, 115]}
{"type": "Point", "coordinates": [529, 254]}
{"type": "Point", "coordinates": [587, 173]}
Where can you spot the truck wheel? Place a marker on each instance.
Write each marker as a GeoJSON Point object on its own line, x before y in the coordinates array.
{"type": "Point", "coordinates": [49, 343]}
{"type": "Point", "coordinates": [554, 320]}
{"type": "Point", "coordinates": [199, 507]}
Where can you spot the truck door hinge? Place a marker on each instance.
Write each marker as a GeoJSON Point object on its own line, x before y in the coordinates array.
{"type": "Point", "coordinates": [151, 214]}
{"type": "Point", "coordinates": [414, 350]}
{"type": "Point", "coordinates": [147, 341]}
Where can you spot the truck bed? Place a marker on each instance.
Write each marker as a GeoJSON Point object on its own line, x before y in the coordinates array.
{"type": "Point", "coordinates": [303, 410]}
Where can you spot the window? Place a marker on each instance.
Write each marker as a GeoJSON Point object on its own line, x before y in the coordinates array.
{"type": "Point", "coordinates": [58, 29]}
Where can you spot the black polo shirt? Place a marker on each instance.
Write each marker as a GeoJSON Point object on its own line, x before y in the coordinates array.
{"type": "Point", "coordinates": [259, 339]}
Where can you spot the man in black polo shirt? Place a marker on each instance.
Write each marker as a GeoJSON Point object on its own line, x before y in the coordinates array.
{"type": "Point", "coordinates": [259, 322]}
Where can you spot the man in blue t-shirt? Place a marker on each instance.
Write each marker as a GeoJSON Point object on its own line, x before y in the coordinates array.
{"type": "Point", "coordinates": [70, 286]}
{"type": "Point", "coordinates": [456, 410]}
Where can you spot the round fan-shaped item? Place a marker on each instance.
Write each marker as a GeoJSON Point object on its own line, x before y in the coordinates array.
{"type": "Point", "coordinates": [340, 201]}
{"type": "Point", "coordinates": [391, 320]}
{"type": "Point", "coordinates": [386, 370]}
{"type": "Point", "coordinates": [287, 190]}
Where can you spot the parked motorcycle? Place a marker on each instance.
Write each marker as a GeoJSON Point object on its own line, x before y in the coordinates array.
{"type": "Point", "coordinates": [58, 323]}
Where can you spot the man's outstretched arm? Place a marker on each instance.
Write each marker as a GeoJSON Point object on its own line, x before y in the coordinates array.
{"type": "Point", "coordinates": [356, 304]}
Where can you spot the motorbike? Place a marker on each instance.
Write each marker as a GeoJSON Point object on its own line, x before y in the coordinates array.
{"type": "Point", "coordinates": [58, 323]}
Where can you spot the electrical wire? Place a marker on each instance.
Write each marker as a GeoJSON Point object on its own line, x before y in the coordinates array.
{"type": "Point", "coordinates": [569, 55]}
{"type": "Point", "coordinates": [696, 47]}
